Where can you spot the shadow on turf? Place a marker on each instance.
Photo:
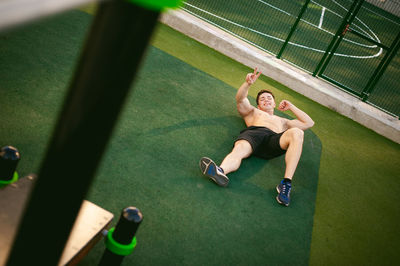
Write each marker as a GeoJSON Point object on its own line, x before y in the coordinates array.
{"type": "Point", "coordinates": [224, 121]}
{"type": "Point", "coordinates": [241, 181]}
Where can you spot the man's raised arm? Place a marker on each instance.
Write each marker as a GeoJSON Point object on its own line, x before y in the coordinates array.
{"type": "Point", "coordinates": [243, 104]}
{"type": "Point", "coordinates": [303, 120]}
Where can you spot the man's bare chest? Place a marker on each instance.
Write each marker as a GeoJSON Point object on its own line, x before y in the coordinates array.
{"type": "Point", "coordinates": [273, 122]}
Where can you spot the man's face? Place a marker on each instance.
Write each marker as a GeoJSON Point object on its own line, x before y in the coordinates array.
{"type": "Point", "coordinates": [266, 102]}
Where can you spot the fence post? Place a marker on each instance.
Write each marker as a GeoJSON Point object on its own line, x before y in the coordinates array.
{"type": "Point", "coordinates": [351, 14]}
{"type": "Point", "coordinates": [302, 11]}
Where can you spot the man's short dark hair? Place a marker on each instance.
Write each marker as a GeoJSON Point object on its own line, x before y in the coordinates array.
{"type": "Point", "coordinates": [264, 91]}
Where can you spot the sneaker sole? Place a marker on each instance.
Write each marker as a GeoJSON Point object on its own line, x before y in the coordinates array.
{"type": "Point", "coordinates": [280, 202]}
{"type": "Point", "coordinates": [205, 165]}
{"type": "Point", "coordinates": [277, 197]}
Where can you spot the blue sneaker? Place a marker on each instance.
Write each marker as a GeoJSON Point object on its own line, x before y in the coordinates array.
{"type": "Point", "coordinates": [215, 173]}
{"type": "Point", "coordinates": [284, 193]}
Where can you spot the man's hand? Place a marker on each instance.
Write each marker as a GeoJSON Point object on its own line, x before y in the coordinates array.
{"type": "Point", "coordinates": [252, 77]}
{"type": "Point", "coordinates": [285, 105]}
{"type": "Point", "coordinates": [302, 121]}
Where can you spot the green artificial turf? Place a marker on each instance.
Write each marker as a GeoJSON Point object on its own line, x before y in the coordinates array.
{"type": "Point", "coordinates": [357, 214]}
{"type": "Point", "coordinates": [173, 118]}
{"type": "Point", "coordinates": [34, 77]}
{"type": "Point", "coordinates": [175, 115]}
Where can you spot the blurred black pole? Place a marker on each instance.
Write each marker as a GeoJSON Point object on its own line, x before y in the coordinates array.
{"type": "Point", "coordinates": [123, 235]}
{"type": "Point", "coordinates": [9, 158]}
{"type": "Point", "coordinates": [110, 59]}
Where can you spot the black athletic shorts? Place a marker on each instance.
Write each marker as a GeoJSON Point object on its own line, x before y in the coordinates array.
{"type": "Point", "coordinates": [265, 142]}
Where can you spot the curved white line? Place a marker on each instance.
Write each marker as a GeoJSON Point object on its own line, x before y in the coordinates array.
{"type": "Point", "coordinates": [376, 37]}
{"type": "Point", "coordinates": [345, 39]}
{"type": "Point", "coordinates": [328, 32]}
{"type": "Point", "coordinates": [270, 36]}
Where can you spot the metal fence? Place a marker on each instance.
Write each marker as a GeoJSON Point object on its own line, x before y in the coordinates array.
{"type": "Point", "coordinates": [353, 44]}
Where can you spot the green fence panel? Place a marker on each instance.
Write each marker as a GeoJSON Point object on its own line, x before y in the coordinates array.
{"type": "Point", "coordinates": [356, 59]}
{"type": "Point", "coordinates": [314, 34]}
{"type": "Point", "coordinates": [266, 24]}
{"type": "Point", "coordinates": [349, 70]}
{"type": "Point", "coordinates": [380, 24]}
{"type": "Point", "coordinates": [386, 93]}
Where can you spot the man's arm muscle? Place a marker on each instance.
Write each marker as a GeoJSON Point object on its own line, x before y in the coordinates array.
{"type": "Point", "coordinates": [243, 104]}
{"type": "Point", "coordinates": [303, 120]}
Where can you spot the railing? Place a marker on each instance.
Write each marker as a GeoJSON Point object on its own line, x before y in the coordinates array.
{"type": "Point", "coordinates": [351, 43]}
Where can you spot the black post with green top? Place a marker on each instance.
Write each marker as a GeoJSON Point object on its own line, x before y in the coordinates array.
{"type": "Point", "coordinates": [118, 38]}
{"type": "Point", "coordinates": [121, 240]}
{"type": "Point", "coordinates": [9, 158]}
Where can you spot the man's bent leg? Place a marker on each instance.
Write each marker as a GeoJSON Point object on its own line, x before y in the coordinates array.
{"type": "Point", "coordinates": [292, 142]}
{"type": "Point", "coordinates": [241, 150]}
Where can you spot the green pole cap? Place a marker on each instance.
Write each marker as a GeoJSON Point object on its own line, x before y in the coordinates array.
{"type": "Point", "coordinates": [14, 179]}
{"type": "Point", "coordinates": [158, 5]}
{"type": "Point", "coordinates": [118, 248]}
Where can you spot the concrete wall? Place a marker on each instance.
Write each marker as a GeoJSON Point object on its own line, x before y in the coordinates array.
{"type": "Point", "coordinates": [299, 81]}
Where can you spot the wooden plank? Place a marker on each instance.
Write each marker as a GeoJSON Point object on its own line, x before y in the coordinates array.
{"type": "Point", "coordinates": [87, 230]}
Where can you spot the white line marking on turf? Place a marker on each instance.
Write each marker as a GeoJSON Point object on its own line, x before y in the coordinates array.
{"type": "Point", "coordinates": [278, 39]}
{"type": "Point", "coordinates": [321, 19]}
{"type": "Point", "coordinates": [354, 25]}
{"type": "Point", "coordinates": [376, 37]}
{"type": "Point", "coordinates": [330, 33]}
{"type": "Point", "coordinates": [274, 7]}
